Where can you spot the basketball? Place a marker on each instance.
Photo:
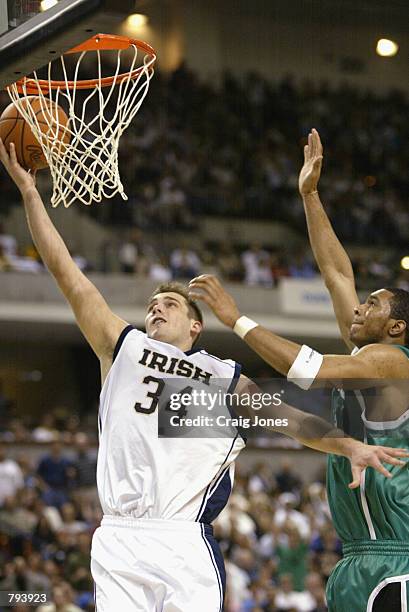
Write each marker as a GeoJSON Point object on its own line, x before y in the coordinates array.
{"type": "Point", "coordinates": [14, 128]}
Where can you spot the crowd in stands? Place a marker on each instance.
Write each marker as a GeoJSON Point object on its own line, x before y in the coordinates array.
{"type": "Point", "coordinates": [253, 265]}
{"type": "Point", "coordinates": [234, 149]}
{"type": "Point", "coordinates": [278, 542]}
{"type": "Point", "coordinates": [48, 512]}
{"type": "Point", "coordinates": [275, 534]}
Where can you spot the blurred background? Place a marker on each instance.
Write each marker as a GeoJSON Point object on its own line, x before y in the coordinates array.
{"type": "Point", "coordinates": [210, 165]}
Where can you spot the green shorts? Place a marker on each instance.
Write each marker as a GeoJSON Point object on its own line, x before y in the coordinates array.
{"type": "Point", "coordinates": [373, 576]}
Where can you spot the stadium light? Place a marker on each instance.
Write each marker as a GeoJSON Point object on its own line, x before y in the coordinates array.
{"type": "Point", "coordinates": [137, 20]}
{"type": "Point", "coordinates": [404, 262]}
{"type": "Point", "coordinates": [47, 4]}
{"type": "Point", "coordinates": [386, 47]}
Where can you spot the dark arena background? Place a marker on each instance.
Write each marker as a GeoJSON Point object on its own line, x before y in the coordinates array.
{"type": "Point", "coordinates": [210, 164]}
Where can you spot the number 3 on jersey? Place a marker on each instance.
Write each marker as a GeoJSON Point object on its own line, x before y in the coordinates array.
{"type": "Point", "coordinates": [157, 387]}
{"type": "Point", "coordinates": [154, 397]}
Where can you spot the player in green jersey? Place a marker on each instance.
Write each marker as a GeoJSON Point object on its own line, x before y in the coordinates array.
{"type": "Point", "coordinates": [373, 381]}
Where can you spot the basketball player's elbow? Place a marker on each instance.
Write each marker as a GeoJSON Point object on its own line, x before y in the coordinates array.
{"type": "Point", "coordinates": [330, 276]}
{"type": "Point", "coordinates": [348, 371]}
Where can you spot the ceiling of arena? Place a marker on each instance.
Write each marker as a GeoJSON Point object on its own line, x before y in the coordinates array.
{"type": "Point", "coordinates": [393, 13]}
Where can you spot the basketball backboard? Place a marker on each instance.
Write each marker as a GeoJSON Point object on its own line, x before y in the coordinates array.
{"type": "Point", "coordinates": [33, 31]}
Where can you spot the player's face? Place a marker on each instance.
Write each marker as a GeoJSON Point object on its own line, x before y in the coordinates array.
{"type": "Point", "coordinates": [168, 320]}
{"type": "Point", "coordinates": [371, 319]}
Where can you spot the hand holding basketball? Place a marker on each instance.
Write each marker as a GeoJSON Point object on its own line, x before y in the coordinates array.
{"type": "Point", "coordinates": [51, 123]}
{"type": "Point", "coordinates": [23, 179]}
{"type": "Point", "coordinates": [311, 170]}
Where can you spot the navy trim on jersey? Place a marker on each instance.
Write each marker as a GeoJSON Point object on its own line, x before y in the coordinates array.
{"type": "Point", "coordinates": [192, 351]}
{"type": "Point", "coordinates": [218, 498]}
{"type": "Point", "coordinates": [235, 379]}
{"type": "Point", "coordinates": [218, 359]}
{"type": "Point", "coordinates": [217, 562]}
{"type": "Point", "coordinates": [209, 486]}
{"type": "Point", "coordinates": [120, 341]}
{"type": "Point", "coordinates": [216, 484]}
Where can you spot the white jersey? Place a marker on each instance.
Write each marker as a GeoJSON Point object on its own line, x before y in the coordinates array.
{"type": "Point", "coordinates": [140, 474]}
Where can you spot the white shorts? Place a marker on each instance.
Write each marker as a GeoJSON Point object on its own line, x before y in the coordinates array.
{"type": "Point", "coordinates": [152, 565]}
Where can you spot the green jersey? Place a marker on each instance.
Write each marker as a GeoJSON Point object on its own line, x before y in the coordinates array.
{"type": "Point", "coordinates": [379, 509]}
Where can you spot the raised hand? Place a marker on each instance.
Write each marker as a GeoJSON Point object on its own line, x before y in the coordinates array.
{"type": "Point", "coordinates": [311, 170]}
{"type": "Point", "coordinates": [209, 289]}
{"type": "Point", "coordinates": [23, 179]}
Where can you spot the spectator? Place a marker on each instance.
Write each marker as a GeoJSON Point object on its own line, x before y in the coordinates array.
{"type": "Point", "coordinates": [301, 267]}
{"type": "Point", "coordinates": [69, 423]}
{"type": "Point", "coordinates": [77, 566]}
{"type": "Point", "coordinates": [11, 476]}
{"type": "Point", "coordinates": [16, 431]}
{"type": "Point", "coordinates": [62, 600]}
{"type": "Point", "coordinates": [286, 512]}
{"type": "Point", "coordinates": [16, 521]}
{"type": "Point", "coordinates": [229, 264]}
{"type": "Point", "coordinates": [287, 480]}
{"type": "Point", "coordinates": [292, 556]}
{"type": "Point", "coordinates": [287, 599]}
{"type": "Point", "coordinates": [43, 535]}
{"type": "Point", "coordinates": [47, 431]}
{"type": "Point", "coordinates": [58, 474]}
{"type": "Point", "coordinates": [315, 589]}
{"type": "Point", "coordinates": [70, 524]}
{"type": "Point", "coordinates": [171, 204]}
{"type": "Point", "coordinates": [159, 271]}
{"type": "Point", "coordinates": [256, 262]}
{"type": "Point", "coordinates": [128, 254]}
{"type": "Point", "coordinates": [8, 580]}
{"type": "Point", "coordinates": [85, 467]}
{"type": "Point", "coordinates": [278, 268]}
{"type": "Point", "coordinates": [184, 263]}
{"type": "Point", "coordinates": [8, 243]}
{"type": "Point", "coordinates": [37, 581]}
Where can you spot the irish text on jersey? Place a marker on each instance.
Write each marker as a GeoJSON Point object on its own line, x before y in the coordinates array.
{"type": "Point", "coordinates": [173, 365]}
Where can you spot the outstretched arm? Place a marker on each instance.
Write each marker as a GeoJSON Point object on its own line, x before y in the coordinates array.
{"type": "Point", "coordinates": [374, 362]}
{"type": "Point", "coordinates": [100, 326]}
{"type": "Point", "coordinates": [332, 259]}
{"type": "Point", "coordinates": [314, 432]}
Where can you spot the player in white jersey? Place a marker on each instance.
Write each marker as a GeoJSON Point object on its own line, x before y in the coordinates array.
{"type": "Point", "coordinates": [155, 551]}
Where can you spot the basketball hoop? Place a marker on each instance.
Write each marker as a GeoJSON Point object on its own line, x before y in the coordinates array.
{"type": "Point", "coordinates": [87, 169]}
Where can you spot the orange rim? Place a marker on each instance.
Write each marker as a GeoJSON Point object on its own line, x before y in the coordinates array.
{"type": "Point", "coordinates": [99, 42]}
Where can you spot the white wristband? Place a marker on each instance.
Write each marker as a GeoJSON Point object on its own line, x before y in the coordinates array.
{"type": "Point", "coordinates": [243, 325]}
{"type": "Point", "coordinates": [305, 367]}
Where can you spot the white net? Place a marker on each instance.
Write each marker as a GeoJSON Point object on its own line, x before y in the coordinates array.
{"type": "Point", "coordinates": [86, 169]}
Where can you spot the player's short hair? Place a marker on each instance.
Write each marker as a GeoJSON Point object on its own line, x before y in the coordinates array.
{"type": "Point", "coordinates": [175, 287]}
{"type": "Point", "coordinates": [400, 307]}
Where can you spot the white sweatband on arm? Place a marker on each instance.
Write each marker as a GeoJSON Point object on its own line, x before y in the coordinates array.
{"type": "Point", "coordinates": [243, 325]}
{"type": "Point", "coordinates": [305, 367]}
